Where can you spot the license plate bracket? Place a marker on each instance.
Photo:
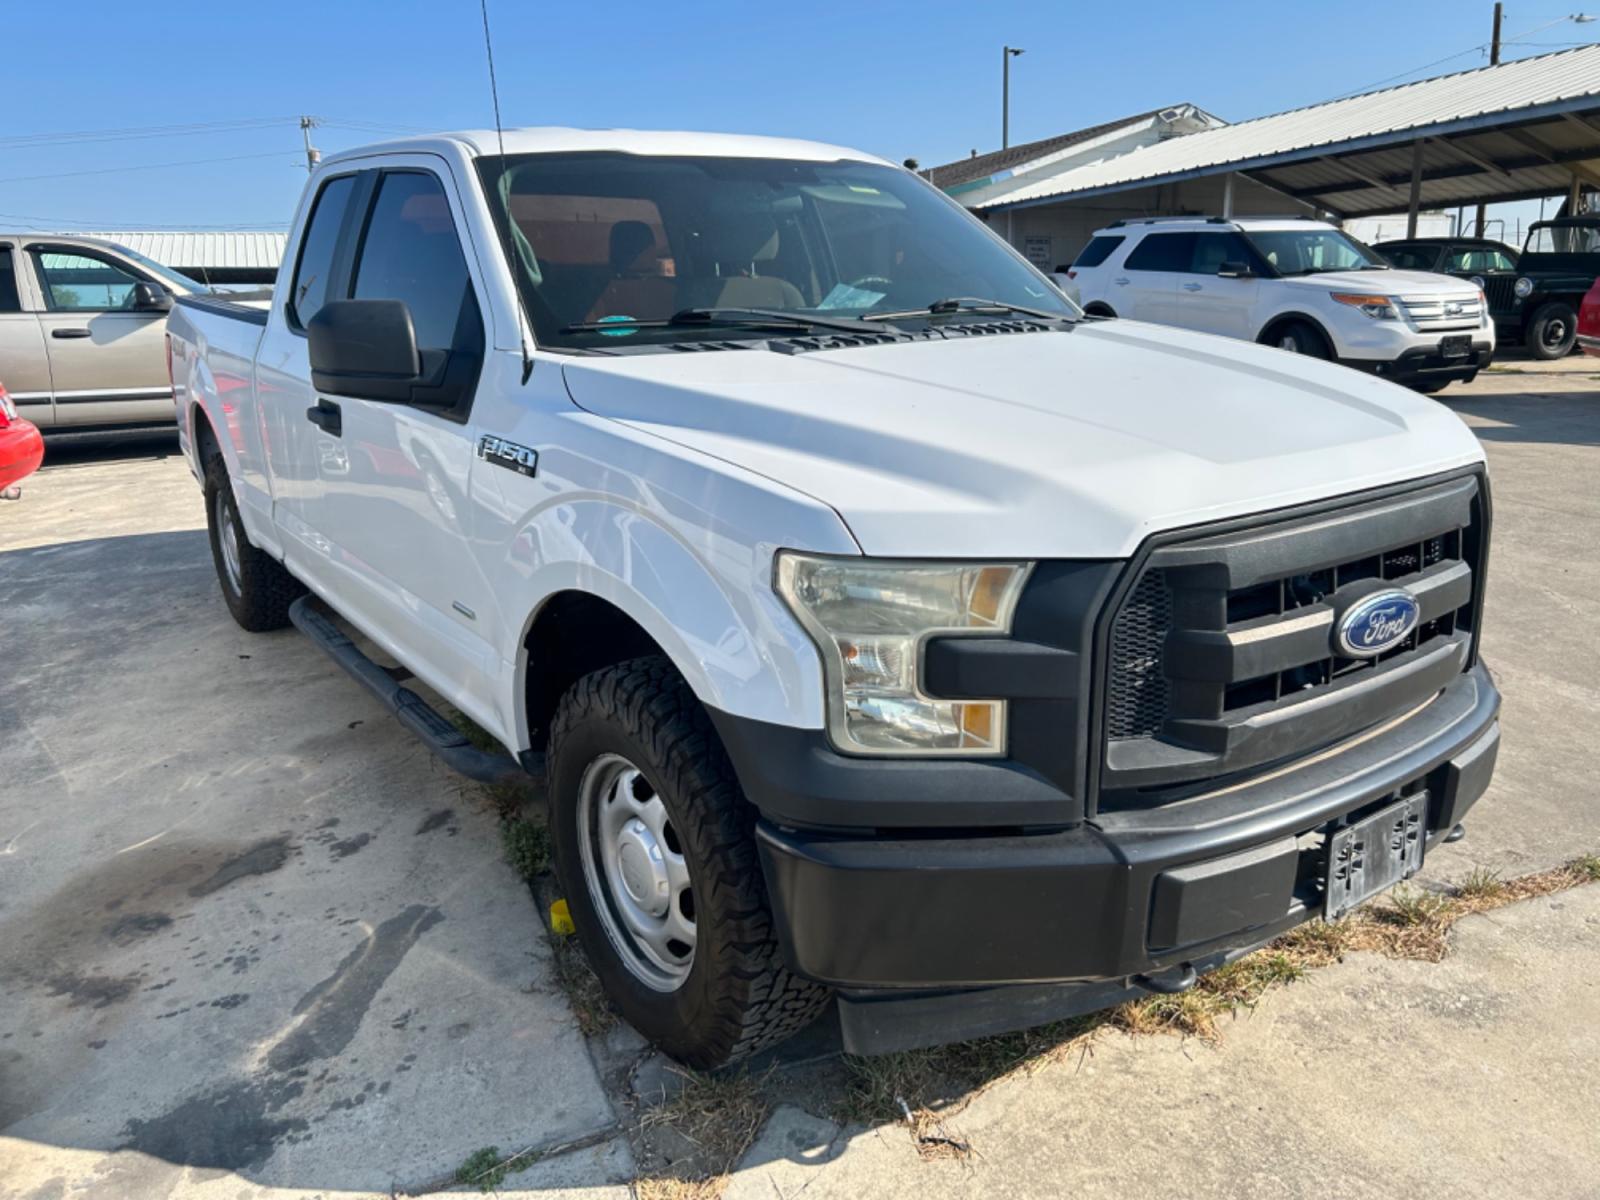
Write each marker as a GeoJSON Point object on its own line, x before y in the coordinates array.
{"type": "Point", "coordinates": [1374, 853]}
{"type": "Point", "coordinates": [1456, 347]}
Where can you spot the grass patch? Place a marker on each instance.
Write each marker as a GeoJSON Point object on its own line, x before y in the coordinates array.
{"type": "Point", "coordinates": [703, 1131]}
{"type": "Point", "coordinates": [526, 846]}
{"type": "Point", "coordinates": [483, 1169]}
{"type": "Point", "coordinates": [590, 1008]}
{"type": "Point", "coordinates": [1482, 883]}
{"type": "Point", "coordinates": [475, 733]}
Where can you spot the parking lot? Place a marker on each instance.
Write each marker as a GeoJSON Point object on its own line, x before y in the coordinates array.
{"type": "Point", "coordinates": [253, 937]}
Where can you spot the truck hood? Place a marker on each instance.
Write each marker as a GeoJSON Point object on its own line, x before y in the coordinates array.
{"type": "Point", "coordinates": [1069, 444]}
{"type": "Point", "coordinates": [1388, 283]}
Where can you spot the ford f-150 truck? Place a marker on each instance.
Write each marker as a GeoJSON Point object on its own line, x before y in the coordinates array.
{"type": "Point", "coordinates": [885, 634]}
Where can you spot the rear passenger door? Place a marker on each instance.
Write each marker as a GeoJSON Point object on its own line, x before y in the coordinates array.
{"type": "Point", "coordinates": [384, 484]}
{"type": "Point", "coordinates": [24, 363]}
{"type": "Point", "coordinates": [108, 362]}
{"type": "Point", "coordinates": [1146, 288]}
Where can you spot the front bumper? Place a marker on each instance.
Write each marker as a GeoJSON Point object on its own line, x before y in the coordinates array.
{"type": "Point", "coordinates": [942, 935]}
{"type": "Point", "coordinates": [1426, 364]}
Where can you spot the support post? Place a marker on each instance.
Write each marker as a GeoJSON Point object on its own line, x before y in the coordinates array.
{"type": "Point", "coordinates": [1494, 59]}
{"type": "Point", "coordinates": [1227, 196]}
{"type": "Point", "coordinates": [1574, 196]}
{"type": "Point", "coordinates": [1415, 202]}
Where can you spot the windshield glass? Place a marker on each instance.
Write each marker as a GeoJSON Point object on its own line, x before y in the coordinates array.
{"type": "Point", "coordinates": [160, 270]}
{"type": "Point", "coordinates": [1311, 251]}
{"type": "Point", "coordinates": [613, 239]}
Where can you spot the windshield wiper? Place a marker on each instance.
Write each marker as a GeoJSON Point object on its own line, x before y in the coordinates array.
{"type": "Point", "coordinates": [969, 304]}
{"type": "Point", "coordinates": [737, 318]}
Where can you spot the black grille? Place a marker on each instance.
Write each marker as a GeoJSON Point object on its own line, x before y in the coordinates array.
{"type": "Point", "coordinates": [1499, 290]}
{"type": "Point", "coordinates": [1137, 701]}
{"type": "Point", "coordinates": [1223, 654]}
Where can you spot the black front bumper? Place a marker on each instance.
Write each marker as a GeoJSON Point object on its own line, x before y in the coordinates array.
{"type": "Point", "coordinates": [944, 934]}
{"type": "Point", "coordinates": [1425, 365]}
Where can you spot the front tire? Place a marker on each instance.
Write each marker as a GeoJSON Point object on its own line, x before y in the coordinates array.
{"type": "Point", "coordinates": [1298, 337]}
{"type": "Point", "coordinates": [1552, 331]}
{"type": "Point", "coordinates": [255, 586]}
{"type": "Point", "coordinates": [655, 851]}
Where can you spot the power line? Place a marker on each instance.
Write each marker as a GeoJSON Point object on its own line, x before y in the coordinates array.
{"type": "Point", "coordinates": [1479, 48]}
{"type": "Point", "coordinates": [139, 132]}
{"type": "Point", "coordinates": [190, 162]}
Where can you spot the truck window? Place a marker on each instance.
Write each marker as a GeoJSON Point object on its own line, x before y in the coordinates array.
{"type": "Point", "coordinates": [10, 300]}
{"type": "Point", "coordinates": [411, 252]}
{"type": "Point", "coordinates": [1413, 258]}
{"type": "Point", "coordinates": [310, 288]}
{"type": "Point", "coordinates": [1162, 252]}
{"type": "Point", "coordinates": [83, 283]}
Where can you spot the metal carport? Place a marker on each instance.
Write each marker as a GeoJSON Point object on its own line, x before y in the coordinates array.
{"type": "Point", "coordinates": [1514, 131]}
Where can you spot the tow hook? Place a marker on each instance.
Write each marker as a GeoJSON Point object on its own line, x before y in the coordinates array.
{"type": "Point", "coordinates": [1168, 983]}
{"type": "Point", "coordinates": [1456, 834]}
{"type": "Point", "coordinates": [11, 493]}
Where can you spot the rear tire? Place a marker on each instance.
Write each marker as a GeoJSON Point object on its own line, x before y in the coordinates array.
{"type": "Point", "coordinates": [655, 851]}
{"type": "Point", "coordinates": [1298, 337]}
{"type": "Point", "coordinates": [255, 586]}
{"type": "Point", "coordinates": [1552, 331]}
{"type": "Point", "coordinates": [1430, 387]}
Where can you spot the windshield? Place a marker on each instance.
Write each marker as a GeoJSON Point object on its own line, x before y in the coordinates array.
{"type": "Point", "coordinates": [160, 270]}
{"type": "Point", "coordinates": [616, 239]}
{"type": "Point", "coordinates": [1312, 251]}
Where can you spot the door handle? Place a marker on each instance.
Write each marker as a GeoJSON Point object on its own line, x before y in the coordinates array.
{"type": "Point", "coordinates": [1192, 287]}
{"type": "Point", "coordinates": [1120, 282]}
{"type": "Point", "coordinates": [325, 415]}
{"type": "Point", "coordinates": [70, 333]}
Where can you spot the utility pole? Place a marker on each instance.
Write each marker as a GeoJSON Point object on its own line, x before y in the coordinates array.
{"type": "Point", "coordinates": [1008, 53]}
{"type": "Point", "coordinates": [313, 155]}
{"type": "Point", "coordinates": [1494, 61]}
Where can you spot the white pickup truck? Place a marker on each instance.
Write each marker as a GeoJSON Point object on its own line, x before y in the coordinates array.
{"type": "Point", "coordinates": [885, 634]}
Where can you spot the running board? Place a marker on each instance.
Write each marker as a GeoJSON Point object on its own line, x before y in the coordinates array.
{"type": "Point", "coordinates": [447, 742]}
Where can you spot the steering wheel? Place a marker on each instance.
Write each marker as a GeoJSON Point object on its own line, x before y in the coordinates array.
{"type": "Point", "coordinates": [872, 282]}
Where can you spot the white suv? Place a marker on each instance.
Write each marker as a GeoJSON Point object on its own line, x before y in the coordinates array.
{"type": "Point", "coordinates": [1298, 284]}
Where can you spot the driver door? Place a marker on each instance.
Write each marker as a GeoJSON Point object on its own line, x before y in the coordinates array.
{"type": "Point", "coordinates": [108, 361]}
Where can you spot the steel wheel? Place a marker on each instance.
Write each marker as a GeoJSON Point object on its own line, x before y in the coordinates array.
{"type": "Point", "coordinates": [637, 876]}
{"type": "Point", "coordinates": [1554, 334]}
{"type": "Point", "coordinates": [228, 540]}
{"type": "Point", "coordinates": [1287, 342]}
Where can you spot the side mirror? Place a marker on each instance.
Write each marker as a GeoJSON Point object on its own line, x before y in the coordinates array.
{"type": "Point", "coordinates": [1235, 270]}
{"type": "Point", "coordinates": [151, 297]}
{"type": "Point", "coordinates": [367, 349]}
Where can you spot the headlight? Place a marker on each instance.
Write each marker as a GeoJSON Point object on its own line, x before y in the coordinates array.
{"type": "Point", "coordinates": [870, 620]}
{"type": "Point", "coordinates": [1477, 282]}
{"type": "Point", "coordinates": [1523, 288]}
{"type": "Point", "coordinates": [1379, 308]}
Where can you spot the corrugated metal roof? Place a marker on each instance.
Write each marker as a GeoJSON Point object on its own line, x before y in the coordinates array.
{"type": "Point", "coordinates": [215, 250]}
{"type": "Point", "coordinates": [1466, 100]}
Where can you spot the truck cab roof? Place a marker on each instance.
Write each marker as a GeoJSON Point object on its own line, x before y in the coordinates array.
{"type": "Point", "coordinates": [553, 139]}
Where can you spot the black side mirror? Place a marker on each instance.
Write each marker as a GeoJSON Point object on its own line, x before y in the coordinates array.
{"type": "Point", "coordinates": [1235, 270]}
{"type": "Point", "coordinates": [367, 349]}
{"type": "Point", "coordinates": [151, 297]}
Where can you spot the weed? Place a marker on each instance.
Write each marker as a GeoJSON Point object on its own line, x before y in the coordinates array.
{"type": "Point", "coordinates": [713, 1121]}
{"type": "Point", "coordinates": [526, 846]}
{"type": "Point", "coordinates": [590, 1007]}
{"type": "Point", "coordinates": [1481, 884]}
{"type": "Point", "coordinates": [1587, 866]}
{"type": "Point", "coordinates": [1410, 908]}
{"type": "Point", "coordinates": [475, 733]}
{"type": "Point", "coordinates": [483, 1169]}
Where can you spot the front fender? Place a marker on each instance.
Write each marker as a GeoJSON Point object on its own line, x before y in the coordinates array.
{"type": "Point", "coordinates": [683, 544]}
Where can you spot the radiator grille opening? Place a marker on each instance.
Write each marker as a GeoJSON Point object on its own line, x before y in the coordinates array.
{"type": "Point", "coordinates": [1137, 701]}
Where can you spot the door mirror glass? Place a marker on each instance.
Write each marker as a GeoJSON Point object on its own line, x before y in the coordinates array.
{"type": "Point", "coordinates": [367, 349]}
{"type": "Point", "coordinates": [1235, 270]}
{"type": "Point", "coordinates": [151, 297]}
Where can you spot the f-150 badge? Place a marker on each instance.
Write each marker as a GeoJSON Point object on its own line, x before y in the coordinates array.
{"type": "Point", "coordinates": [508, 455]}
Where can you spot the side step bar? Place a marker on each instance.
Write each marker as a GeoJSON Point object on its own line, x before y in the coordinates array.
{"type": "Point", "coordinates": [415, 713]}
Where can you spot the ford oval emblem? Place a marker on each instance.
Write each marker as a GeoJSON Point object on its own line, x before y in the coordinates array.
{"type": "Point", "coordinates": [1377, 623]}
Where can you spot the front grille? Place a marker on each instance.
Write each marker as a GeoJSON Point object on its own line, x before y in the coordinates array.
{"type": "Point", "coordinates": [1136, 702]}
{"type": "Point", "coordinates": [1435, 314]}
{"type": "Point", "coordinates": [1501, 291]}
{"type": "Point", "coordinates": [1222, 655]}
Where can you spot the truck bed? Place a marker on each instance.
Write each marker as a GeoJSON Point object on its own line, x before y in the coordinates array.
{"type": "Point", "coordinates": [243, 306]}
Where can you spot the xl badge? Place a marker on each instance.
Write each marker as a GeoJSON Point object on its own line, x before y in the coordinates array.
{"type": "Point", "coordinates": [1377, 622]}
{"type": "Point", "coordinates": [508, 455]}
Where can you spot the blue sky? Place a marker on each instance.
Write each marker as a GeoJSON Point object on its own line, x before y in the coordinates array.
{"type": "Point", "coordinates": [899, 79]}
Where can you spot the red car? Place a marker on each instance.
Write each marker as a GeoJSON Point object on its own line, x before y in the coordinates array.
{"type": "Point", "coordinates": [1589, 321]}
{"type": "Point", "coordinates": [21, 448]}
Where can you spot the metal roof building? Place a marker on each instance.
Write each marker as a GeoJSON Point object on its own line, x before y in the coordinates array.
{"type": "Point", "coordinates": [221, 257]}
{"type": "Point", "coordinates": [1513, 131]}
